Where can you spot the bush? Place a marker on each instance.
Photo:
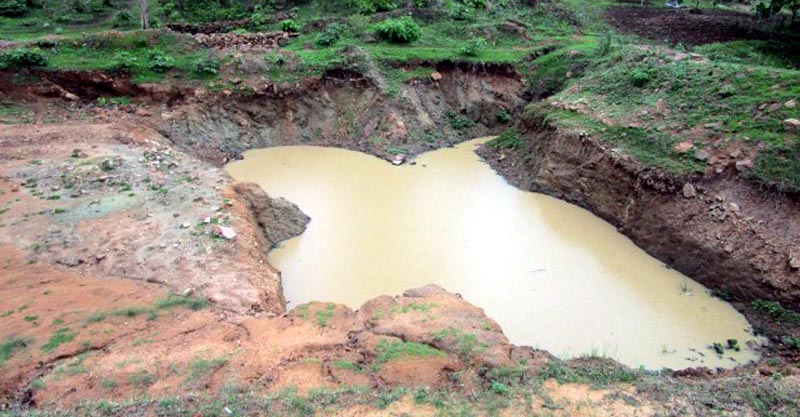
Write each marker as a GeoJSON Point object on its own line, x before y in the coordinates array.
{"type": "Point", "coordinates": [161, 63]}
{"type": "Point", "coordinates": [503, 116]}
{"type": "Point", "coordinates": [13, 8]}
{"type": "Point", "coordinates": [474, 47]}
{"type": "Point", "coordinates": [402, 30]}
{"type": "Point", "coordinates": [461, 12]}
{"type": "Point", "coordinates": [123, 19]}
{"type": "Point", "coordinates": [640, 78]}
{"type": "Point", "coordinates": [207, 66]}
{"type": "Point", "coordinates": [332, 33]}
{"type": "Point", "coordinates": [509, 139]}
{"type": "Point", "coordinates": [22, 57]}
{"type": "Point", "coordinates": [289, 25]}
{"type": "Point", "coordinates": [374, 6]}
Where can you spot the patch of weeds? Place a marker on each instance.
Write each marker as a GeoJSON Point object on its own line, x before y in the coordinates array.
{"type": "Point", "coordinates": [30, 318]}
{"type": "Point", "coordinates": [413, 307]}
{"type": "Point", "coordinates": [322, 396]}
{"type": "Point", "coordinates": [96, 317]}
{"type": "Point", "coordinates": [776, 311]}
{"type": "Point", "coordinates": [792, 342]}
{"type": "Point", "coordinates": [509, 139]}
{"type": "Point", "coordinates": [7, 313]}
{"type": "Point", "coordinates": [108, 384]}
{"type": "Point", "coordinates": [557, 370]}
{"type": "Point", "coordinates": [302, 311]}
{"type": "Point", "coordinates": [458, 122]}
{"type": "Point", "coordinates": [11, 345]}
{"type": "Point", "coordinates": [57, 322]}
{"type": "Point", "coordinates": [37, 384]}
{"type": "Point", "coordinates": [392, 351]}
{"type": "Point", "coordinates": [295, 403]}
{"type": "Point", "coordinates": [499, 388]}
{"type": "Point", "coordinates": [61, 336]}
{"type": "Point", "coordinates": [172, 301]}
{"type": "Point", "coordinates": [345, 364]}
{"type": "Point", "coordinates": [386, 398]}
{"type": "Point", "coordinates": [467, 342]}
{"type": "Point", "coordinates": [141, 379]}
{"type": "Point", "coordinates": [201, 368]}
{"type": "Point", "coordinates": [324, 316]}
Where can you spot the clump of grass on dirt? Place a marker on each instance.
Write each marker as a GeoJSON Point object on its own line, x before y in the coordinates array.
{"type": "Point", "coordinates": [61, 336]}
{"type": "Point", "coordinates": [11, 345]}
{"type": "Point", "coordinates": [392, 351]}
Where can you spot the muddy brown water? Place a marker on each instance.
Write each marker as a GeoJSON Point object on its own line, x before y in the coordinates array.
{"type": "Point", "coordinates": [553, 275]}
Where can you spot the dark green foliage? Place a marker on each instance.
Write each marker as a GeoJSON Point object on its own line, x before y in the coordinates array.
{"type": "Point", "coordinates": [503, 116]}
{"type": "Point", "coordinates": [22, 57]}
{"type": "Point", "coordinates": [332, 33]}
{"type": "Point", "coordinates": [374, 6]}
{"type": "Point", "coordinates": [206, 10]}
{"type": "Point", "coordinates": [12, 8]}
{"type": "Point", "coordinates": [207, 66]}
{"type": "Point", "coordinates": [401, 30]}
{"type": "Point", "coordinates": [776, 311]}
{"type": "Point", "coordinates": [123, 19]}
{"type": "Point", "coordinates": [289, 25]}
{"type": "Point", "coordinates": [640, 78]}
{"type": "Point", "coordinates": [458, 122]}
{"type": "Point", "coordinates": [509, 139]}
{"type": "Point", "coordinates": [474, 47]}
{"type": "Point", "coordinates": [160, 62]}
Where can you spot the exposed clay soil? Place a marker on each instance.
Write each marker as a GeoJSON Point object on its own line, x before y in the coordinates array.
{"type": "Point", "coordinates": [685, 27]}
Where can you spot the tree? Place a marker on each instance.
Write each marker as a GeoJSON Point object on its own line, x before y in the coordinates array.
{"type": "Point", "coordinates": [767, 9]}
{"type": "Point", "coordinates": [144, 13]}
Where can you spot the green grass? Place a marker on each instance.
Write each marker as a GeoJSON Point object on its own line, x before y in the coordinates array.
{"type": "Point", "coordinates": [776, 311]}
{"type": "Point", "coordinates": [61, 336]}
{"type": "Point", "coordinates": [392, 351]}
{"type": "Point", "coordinates": [201, 367]}
{"type": "Point", "coordinates": [324, 315]}
{"type": "Point", "coordinates": [636, 85]}
{"type": "Point", "coordinates": [11, 345]}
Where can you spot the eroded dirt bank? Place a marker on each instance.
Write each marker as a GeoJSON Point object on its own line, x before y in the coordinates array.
{"type": "Point", "coordinates": [351, 111]}
{"type": "Point", "coordinates": [717, 229]}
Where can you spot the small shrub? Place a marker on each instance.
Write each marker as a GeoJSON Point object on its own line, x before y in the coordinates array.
{"type": "Point", "coordinates": [374, 6]}
{"type": "Point", "coordinates": [458, 122]}
{"type": "Point", "coordinates": [332, 33]}
{"type": "Point", "coordinates": [123, 19]}
{"type": "Point", "coordinates": [22, 57]}
{"type": "Point", "coordinates": [207, 66]}
{"type": "Point", "coordinates": [503, 116]}
{"type": "Point", "coordinates": [159, 62]}
{"type": "Point", "coordinates": [474, 47]}
{"type": "Point", "coordinates": [640, 78]}
{"type": "Point", "coordinates": [402, 30]}
{"type": "Point", "coordinates": [500, 388]}
{"type": "Point", "coordinates": [509, 139]}
{"type": "Point", "coordinates": [462, 12]}
{"type": "Point", "coordinates": [289, 25]}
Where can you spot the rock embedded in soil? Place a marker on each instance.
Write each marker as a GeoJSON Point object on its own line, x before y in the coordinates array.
{"type": "Point", "coordinates": [689, 191]}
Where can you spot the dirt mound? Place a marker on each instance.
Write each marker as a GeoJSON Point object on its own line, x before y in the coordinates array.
{"type": "Point", "coordinates": [687, 28]}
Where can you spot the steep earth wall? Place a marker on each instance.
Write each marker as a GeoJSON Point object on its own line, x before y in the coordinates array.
{"type": "Point", "coordinates": [718, 229]}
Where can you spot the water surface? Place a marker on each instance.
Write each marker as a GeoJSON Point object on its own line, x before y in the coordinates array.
{"type": "Point", "coordinates": [553, 275]}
